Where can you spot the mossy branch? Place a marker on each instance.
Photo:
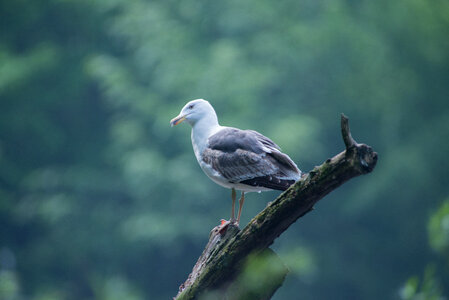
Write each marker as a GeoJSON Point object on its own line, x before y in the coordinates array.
{"type": "Point", "coordinates": [226, 252]}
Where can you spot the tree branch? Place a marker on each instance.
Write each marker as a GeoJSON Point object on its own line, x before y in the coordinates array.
{"type": "Point", "coordinates": [226, 253]}
{"type": "Point", "coordinates": [346, 133]}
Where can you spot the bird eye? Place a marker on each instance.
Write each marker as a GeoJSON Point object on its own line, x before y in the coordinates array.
{"type": "Point", "coordinates": [191, 106]}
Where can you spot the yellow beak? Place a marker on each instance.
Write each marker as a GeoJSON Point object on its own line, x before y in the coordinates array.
{"type": "Point", "coordinates": [177, 120]}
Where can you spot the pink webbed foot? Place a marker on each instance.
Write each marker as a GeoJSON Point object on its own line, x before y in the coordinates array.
{"type": "Point", "coordinates": [224, 224]}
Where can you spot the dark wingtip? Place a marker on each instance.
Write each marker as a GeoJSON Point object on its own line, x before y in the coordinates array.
{"type": "Point", "coordinates": [268, 182]}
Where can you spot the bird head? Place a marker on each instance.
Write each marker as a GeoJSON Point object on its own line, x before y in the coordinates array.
{"type": "Point", "coordinates": [194, 111]}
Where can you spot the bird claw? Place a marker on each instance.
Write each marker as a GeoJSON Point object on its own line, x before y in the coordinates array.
{"type": "Point", "coordinates": [224, 224]}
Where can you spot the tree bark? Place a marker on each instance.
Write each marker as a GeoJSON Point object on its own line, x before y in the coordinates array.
{"type": "Point", "coordinates": [227, 252]}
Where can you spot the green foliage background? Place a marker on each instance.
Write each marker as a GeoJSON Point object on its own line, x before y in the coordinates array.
{"type": "Point", "coordinates": [101, 199]}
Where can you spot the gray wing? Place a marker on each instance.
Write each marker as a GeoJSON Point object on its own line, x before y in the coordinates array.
{"type": "Point", "coordinates": [231, 139]}
{"type": "Point", "coordinates": [248, 157]}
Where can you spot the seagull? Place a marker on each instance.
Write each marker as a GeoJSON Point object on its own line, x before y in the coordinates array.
{"type": "Point", "coordinates": [242, 160]}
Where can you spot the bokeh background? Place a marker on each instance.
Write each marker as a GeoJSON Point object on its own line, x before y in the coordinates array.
{"type": "Point", "coordinates": [101, 199]}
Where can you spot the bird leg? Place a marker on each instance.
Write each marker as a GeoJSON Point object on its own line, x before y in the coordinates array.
{"type": "Point", "coordinates": [233, 195]}
{"type": "Point", "coordinates": [242, 199]}
{"type": "Point", "coordinates": [223, 223]}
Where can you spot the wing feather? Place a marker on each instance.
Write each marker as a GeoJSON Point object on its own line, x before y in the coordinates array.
{"type": "Point", "coordinates": [248, 157]}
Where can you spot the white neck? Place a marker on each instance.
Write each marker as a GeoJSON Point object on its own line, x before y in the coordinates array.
{"type": "Point", "coordinates": [201, 131]}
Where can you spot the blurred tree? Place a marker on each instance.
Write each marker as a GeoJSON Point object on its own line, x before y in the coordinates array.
{"type": "Point", "coordinates": [97, 193]}
{"type": "Point", "coordinates": [430, 286]}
